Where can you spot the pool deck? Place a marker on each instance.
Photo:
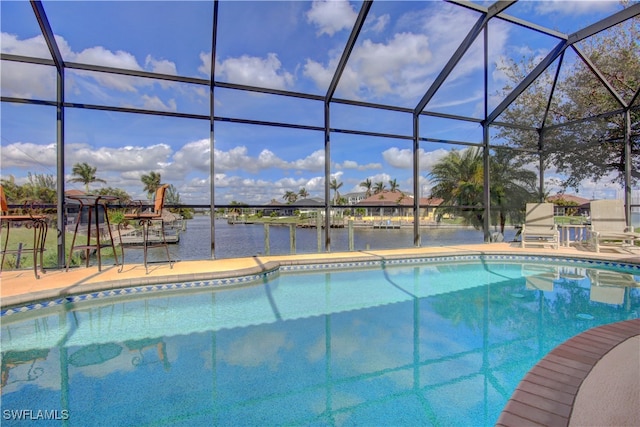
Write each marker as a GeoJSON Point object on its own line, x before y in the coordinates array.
{"type": "Point", "coordinates": [592, 379]}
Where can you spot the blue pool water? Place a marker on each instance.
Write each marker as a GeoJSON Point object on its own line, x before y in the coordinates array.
{"type": "Point", "coordinates": [432, 343]}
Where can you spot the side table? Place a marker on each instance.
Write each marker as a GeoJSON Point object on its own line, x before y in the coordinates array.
{"type": "Point", "coordinates": [92, 205]}
{"type": "Point", "coordinates": [579, 231]}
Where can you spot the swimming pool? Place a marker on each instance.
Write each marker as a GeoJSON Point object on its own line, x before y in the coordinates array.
{"type": "Point", "coordinates": [407, 342]}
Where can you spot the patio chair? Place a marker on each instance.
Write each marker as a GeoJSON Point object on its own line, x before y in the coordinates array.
{"type": "Point", "coordinates": [540, 277]}
{"type": "Point", "coordinates": [33, 220]}
{"type": "Point", "coordinates": [539, 227]}
{"type": "Point", "coordinates": [609, 287]}
{"type": "Point", "coordinates": [151, 219]}
{"type": "Point", "coordinates": [609, 226]}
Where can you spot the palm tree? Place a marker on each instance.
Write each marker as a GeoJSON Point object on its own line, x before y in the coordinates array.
{"type": "Point", "coordinates": [40, 187]}
{"type": "Point", "coordinates": [151, 182]}
{"type": "Point", "coordinates": [122, 195]}
{"type": "Point", "coordinates": [335, 185]}
{"type": "Point", "coordinates": [290, 196]}
{"type": "Point", "coordinates": [303, 193]}
{"type": "Point", "coordinates": [86, 174]}
{"type": "Point", "coordinates": [172, 197]}
{"type": "Point", "coordinates": [393, 184]}
{"type": "Point", "coordinates": [511, 188]}
{"type": "Point", "coordinates": [378, 187]}
{"type": "Point", "coordinates": [367, 184]}
{"type": "Point", "coordinates": [459, 181]}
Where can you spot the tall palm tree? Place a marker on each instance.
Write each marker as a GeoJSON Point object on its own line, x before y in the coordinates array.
{"type": "Point", "coordinates": [303, 193]}
{"type": "Point", "coordinates": [335, 185]}
{"type": "Point", "coordinates": [379, 187]}
{"type": "Point", "coordinates": [393, 185]}
{"type": "Point", "coordinates": [151, 182]}
{"type": "Point", "coordinates": [86, 174]}
{"type": "Point", "coordinates": [511, 188]}
{"type": "Point", "coordinates": [290, 196]}
{"type": "Point", "coordinates": [367, 184]}
{"type": "Point", "coordinates": [459, 179]}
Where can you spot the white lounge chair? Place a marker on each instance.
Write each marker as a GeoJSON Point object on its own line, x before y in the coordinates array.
{"type": "Point", "coordinates": [609, 287]}
{"type": "Point", "coordinates": [540, 277]}
{"type": "Point", "coordinates": [609, 226]}
{"type": "Point", "coordinates": [539, 227]}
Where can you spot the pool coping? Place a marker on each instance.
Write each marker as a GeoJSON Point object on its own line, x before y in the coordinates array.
{"type": "Point", "coordinates": [546, 396]}
{"type": "Point", "coordinates": [244, 276]}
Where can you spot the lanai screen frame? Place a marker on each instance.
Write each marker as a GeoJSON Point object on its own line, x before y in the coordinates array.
{"type": "Point", "coordinates": [495, 11]}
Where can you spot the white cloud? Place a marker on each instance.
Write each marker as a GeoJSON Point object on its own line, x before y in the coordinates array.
{"type": "Point", "coordinates": [320, 75]}
{"type": "Point", "coordinates": [155, 103]}
{"type": "Point", "coordinates": [471, 97]}
{"type": "Point", "coordinates": [259, 191]}
{"type": "Point", "coordinates": [100, 56]}
{"type": "Point", "coordinates": [233, 159]}
{"type": "Point", "coordinates": [315, 184]}
{"type": "Point", "coordinates": [251, 70]}
{"type": "Point", "coordinates": [384, 67]}
{"type": "Point", "coordinates": [35, 46]}
{"type": "Point", "coordinates": [353, 165]}
{"type": "Point", "coordinates": [331, 16]}
{"type": "Point", "coordinates": [26, 80]}
{"type": "Point", "coordinates": [268, 159]}
{"type": "Point", "coordinates": [123, 166]}
{"type": "Point", "coordinates": [404, 65]}
{"type": "Point", "coordinates": [238, 158]}
{"type": "Point", "coordinates": [120, 159]}
{"type": "Point", "coordinates": [605, 188]}
{"type": "Point", "coordinates": [256, 348]}
{"type": "Point", "coordinates": [575, 7]}
{"type": "Point", "coordinates": [205, 64]}
{"type": "Point", "coordinates": [192, 156]}
{"type": "Point", "coordinates": [380, 177]}
{"type": "Point", "coordinates": [398, 158]}
{"type": "Point", "coordinates": [378, 69]}
{"type": "Point", "coordinates": [39, 82]}
{"type": "Point", "coordinates": [160, 66]}
{"type": "Point", "coordinates": [120, 167]}
{"type": "Point", "coordinates": [26, 155]}
{"type": "Point", "coordinates": [403, 158]}
{"type": "Point", "coordinates": [380, 23]}
{"type": "Point", "coordinates": [313, 162]}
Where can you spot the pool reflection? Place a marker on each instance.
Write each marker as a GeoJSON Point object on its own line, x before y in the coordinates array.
{"type": "Point", "coordinates": [427, 345]}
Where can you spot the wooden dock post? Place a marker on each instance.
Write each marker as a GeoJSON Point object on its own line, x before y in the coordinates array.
{"type": "Point", "coordinates": [319, 231]}
{"type": "Point", "coordinates": [292, 238]}
{"type": "Point", "coordinates": [267, 246]}
{"type": "Point", "coordinates": [351, 245]}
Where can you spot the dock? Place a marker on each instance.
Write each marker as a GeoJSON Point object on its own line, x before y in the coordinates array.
{"type": "Point", "coordinates": [134, 236]}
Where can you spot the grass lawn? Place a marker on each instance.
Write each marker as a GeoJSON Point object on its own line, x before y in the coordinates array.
{"type": "Point", "coordinates": [25, 236]}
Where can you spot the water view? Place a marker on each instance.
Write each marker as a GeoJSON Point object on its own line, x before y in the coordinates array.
{"type": "Point", "coordinates": [243, 240]}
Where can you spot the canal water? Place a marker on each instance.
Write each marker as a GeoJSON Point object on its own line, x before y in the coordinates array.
{"type": "Point", "coordinates": [244, 240]}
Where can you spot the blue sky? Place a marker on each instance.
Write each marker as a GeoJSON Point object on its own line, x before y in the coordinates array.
{"type": "Point", "coordinates": [288, 45]}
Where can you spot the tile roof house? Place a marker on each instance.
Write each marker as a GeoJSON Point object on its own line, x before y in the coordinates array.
{"type": "Point", "coordinates": [398, 203]}
{"type": "Point", "coordinates": [569, 204]}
